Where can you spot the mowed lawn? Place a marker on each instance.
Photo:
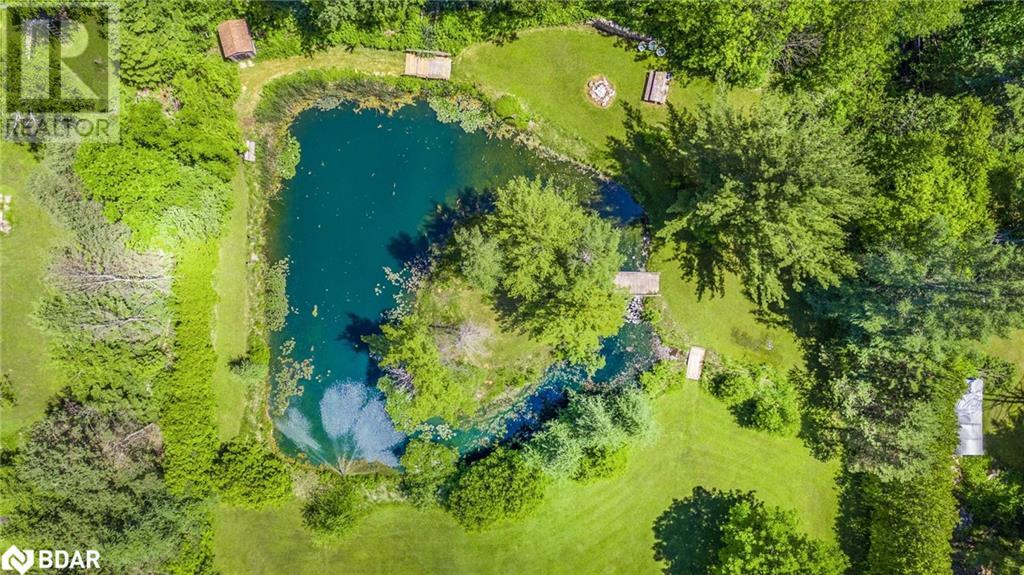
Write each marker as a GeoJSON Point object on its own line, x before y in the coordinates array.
{"type": "Point", "coordinates": [231, 315]}
{"type": "Point", "coordinates": [548, 69]}
{"type": "Point", "coordinates": [723, 323]}
{"type": "Point", "coordinates": [1004, 421]}
{"type": "Point", "coordinates": [24, 255]}
{"type": "Point", "coordinates": [605, 527]}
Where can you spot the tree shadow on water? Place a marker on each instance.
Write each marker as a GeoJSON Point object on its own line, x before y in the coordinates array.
{"type": "Point", "coordinates": [439, 225]}
{"type": "Point", "coordinates": [357, 328]}
{"type": "Point", "coordinates": [688, 535]}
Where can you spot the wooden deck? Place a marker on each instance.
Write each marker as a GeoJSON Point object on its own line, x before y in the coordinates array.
{"type": "Point", "coordinates": [639, 283]}
{"type": "Point", "coordinates": [431, 65]}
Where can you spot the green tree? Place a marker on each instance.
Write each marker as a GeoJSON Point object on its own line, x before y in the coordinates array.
{"type": "Point", "coordinates": [558, 266]}
{"type": "Point", "coordinates": [921, 294]}
{"type": "Point", "coordinates": [736, 41]}
{"type": "Point", "coordinates": [849, 50]}
{"type": "Point", "coordinates": [1007, 175]}
{"type": "Point", "coordinates": [734, 533]}
{"type": "Point", "coordinates": [912, 521]}
{"type": "Point", "coordinates": [932, 157]}
{"type": "Point", "coordinates": [416, 383]}
{"type": "Point", "coordinates": [893, 405]}
{"type": "Point", "coordinates": [757, 540]}
{"type": "Point", "coordinates": [994, 499]}
{"type": "Point", "coordinates": [479, 258]}
{"type": "Point", "coordinates": [250, 475]}
{"type": "Point", "coordinates": [501, 486]}
{"type": "Point", "coordinates": [334, 509]}
{"type": "Point", "coordinates": [428, 467]}
{"type": "Point", "coordinates": [979, 54]}
{"type": "Point", "coordinates": [766, 193]}
{"type": "Point", "coordinates": [86, 479]}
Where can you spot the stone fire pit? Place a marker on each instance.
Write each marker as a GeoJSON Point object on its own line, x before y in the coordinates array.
{"type": "Point", "coordinates": [600, 91]}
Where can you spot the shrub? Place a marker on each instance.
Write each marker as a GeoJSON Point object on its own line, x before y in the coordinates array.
{"type": "Point", "coordinates": [185, 397]}
{"type": "Point", "coordinates": [733, 384]}
{"type": "Point", "coordinates": [760, 397]}
{"type": "Point", "coordinates": [601, 463]}
{"type": "Point", "coordinates": [556, 449]}
{"type": "Point", "coordinates": [249, 475]}
{"type": "Point", "coordinates": [651, 312]}
{"type": "Point", "coordinates": [733, 533]}
{"type": "Point", "coordinates": [334, 509]}
{"type": "Point", "coordinates": [510, 110]}
{"type": "Point", "coordinates": [428, 467]}
{"type": "Point", "coordinates": [502, 485]}
{"type": "Point", "coordinates": [773, 408]}
{"type": "Point", "coordinates": [590, 428]}
{"type": "Point", "coordinates": [660, 378]}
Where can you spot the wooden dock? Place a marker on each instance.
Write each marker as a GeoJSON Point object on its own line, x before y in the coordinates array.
{"type": "Point", "coordinates": [430, 65]}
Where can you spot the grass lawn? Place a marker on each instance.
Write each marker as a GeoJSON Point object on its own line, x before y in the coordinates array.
{"type": "Point", "coordinates": [1004, 423]}
{"type": "Point", "coordinates": [605, 527]}
{"type": "Point", "coordinates": [231, 315]}
{"type": "Point", "coordinates": [24, 255]}
{"type": "Point", "coordinates": [548, 69]}
{"type": "Point", "coordinates": [253, 79]}
{"type": "Point", "coordinates": [494, 363]}
{"type": "Point", "coordinates": [724, 324]}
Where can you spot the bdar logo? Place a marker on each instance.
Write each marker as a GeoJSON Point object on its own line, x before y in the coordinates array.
{"type": "Point", "coordinates": [17, 560]}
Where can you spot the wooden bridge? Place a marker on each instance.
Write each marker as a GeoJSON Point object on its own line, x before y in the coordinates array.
{"type": "Point", "coordinates": [639, 283]}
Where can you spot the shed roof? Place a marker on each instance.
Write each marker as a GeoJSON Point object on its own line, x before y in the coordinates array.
{"type": "Point", "coordinates": [433, 65]}
{"type": "Point", "coordinates": [235, 40]}
{"type": "Point", "coordinates": [656, 87]}
{"type": "Point", "coordinates": [639, 283]}
{"type": "Point", "coordinates": [970, 417]}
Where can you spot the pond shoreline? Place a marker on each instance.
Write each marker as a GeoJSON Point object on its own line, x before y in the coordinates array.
{"type": "Point", "coordinates": [326, 97]}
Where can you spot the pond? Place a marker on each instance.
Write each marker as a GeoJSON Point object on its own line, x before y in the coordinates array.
{"type": "Point", "coordinates": [369, 196]}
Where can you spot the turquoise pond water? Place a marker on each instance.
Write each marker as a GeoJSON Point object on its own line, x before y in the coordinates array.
{"type": "Point", "coordinates": [371, 192]}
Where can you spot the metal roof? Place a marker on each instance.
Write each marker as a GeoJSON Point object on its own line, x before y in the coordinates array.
{"type": "Point", "coordinates": [970, 417]}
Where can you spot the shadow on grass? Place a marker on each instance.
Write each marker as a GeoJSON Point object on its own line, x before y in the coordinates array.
{"type": "Point", "coordinates": [688, 535]}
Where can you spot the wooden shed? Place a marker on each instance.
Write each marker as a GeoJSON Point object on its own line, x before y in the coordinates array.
{"type": "Point", "coordinates": [656, 87]}
{"type": "Point", "coordinates": [424, 64]}
{"type": "Point", "coordinates": [235, 41]}
{"type": "Point", "coordinates": [639, 283]}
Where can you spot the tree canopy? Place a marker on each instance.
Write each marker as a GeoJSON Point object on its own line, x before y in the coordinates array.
{"type": "Point", "coordinates": [557, 265]}
{"type": "Point", "coordinates": [767, 193]}
{"type": "Point", "coordinates": [734, 533]}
